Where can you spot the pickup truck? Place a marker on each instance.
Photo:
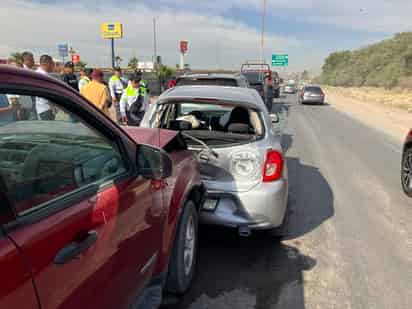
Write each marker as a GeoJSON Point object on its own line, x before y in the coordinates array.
{"type": "Point", "coordinates": [92, 215]}
{"type": "Point", "coordinates": [255, 74]}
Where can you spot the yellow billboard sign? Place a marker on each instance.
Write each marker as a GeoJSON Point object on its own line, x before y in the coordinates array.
{"type": "Point", "coordinates": [112, 30]}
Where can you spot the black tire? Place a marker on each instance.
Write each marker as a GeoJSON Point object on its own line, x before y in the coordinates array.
{"type": "Point", "coordinates": [406, 172]}
{"type": "Point", "coordinates": [178, 279]}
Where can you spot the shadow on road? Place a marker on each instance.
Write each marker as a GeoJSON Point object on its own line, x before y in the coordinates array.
{"type": "Point", "coordinates": [259, 272]}
{"type": "Point", "coordinates": [310, 198]}
{"type": "Point", "coordinates": [246, 273]}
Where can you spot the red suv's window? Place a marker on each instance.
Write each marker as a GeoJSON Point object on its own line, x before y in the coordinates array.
{"type": "Point", "coordinates": [43, 157]}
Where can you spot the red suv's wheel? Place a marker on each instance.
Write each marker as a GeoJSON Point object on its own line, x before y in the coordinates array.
{"type": "Point", "coordinates": [184, 256]}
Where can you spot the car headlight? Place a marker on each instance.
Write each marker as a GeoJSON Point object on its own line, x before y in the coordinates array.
{"type": "Point", "coordinates": [244, 164]}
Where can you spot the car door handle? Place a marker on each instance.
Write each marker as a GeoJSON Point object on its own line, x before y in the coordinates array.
{"type": "Point", "coordinates": [74, 249]}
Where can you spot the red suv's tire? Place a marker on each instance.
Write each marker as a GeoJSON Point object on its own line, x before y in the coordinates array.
{"type": "Point", "coordinates": [181, 266]}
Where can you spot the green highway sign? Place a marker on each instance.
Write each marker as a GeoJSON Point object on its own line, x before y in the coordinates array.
{"type": "Point", "coordinates": [280, 60]}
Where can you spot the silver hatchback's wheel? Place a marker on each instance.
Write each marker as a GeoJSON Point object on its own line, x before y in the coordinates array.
{"type": "Point", "coordinates": [406, 173]}
{"type": "Point", "coordinates": [183, 260]}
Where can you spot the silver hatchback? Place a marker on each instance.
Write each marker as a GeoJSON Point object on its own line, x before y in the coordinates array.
{"type": "Point", "coordinates": [242, 164]}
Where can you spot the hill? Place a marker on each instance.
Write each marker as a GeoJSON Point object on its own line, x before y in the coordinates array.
{"type": "Point", "coordinates": [385, 64]}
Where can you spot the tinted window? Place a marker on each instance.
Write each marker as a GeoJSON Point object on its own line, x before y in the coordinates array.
{"type": "Point", "coordinates": [254, 77]}
{"type": "Point", "coordinates": [313, 89]}
{"type": "Point", "coordinates": [44, 157]}
{"type": "Point", "coordinates": [207, 82]}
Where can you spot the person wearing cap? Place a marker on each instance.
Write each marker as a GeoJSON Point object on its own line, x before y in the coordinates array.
{"type": "Point", "coordinates": [84, 77]}
{"type": "Point", "coordinates": [96, 92]}
{"type": "Point", "coordinates": [132, 104]}
{"type": "Point", "coordinates": [116, 87]}
{"type": "Point", "coordinates": [68, 76]}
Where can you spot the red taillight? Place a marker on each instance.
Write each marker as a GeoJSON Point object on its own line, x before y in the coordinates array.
{"type": "Point", "coordinates": [410, 134]}
{"type": "Point", "coordinates": [272, 169]}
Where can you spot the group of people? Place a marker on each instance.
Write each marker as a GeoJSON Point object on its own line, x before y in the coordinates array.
{"type": "Point", "coordinates": [129, 97]}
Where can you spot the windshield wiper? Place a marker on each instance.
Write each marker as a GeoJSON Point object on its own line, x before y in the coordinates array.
{"type": "Point", "coordinates": [201, 143]}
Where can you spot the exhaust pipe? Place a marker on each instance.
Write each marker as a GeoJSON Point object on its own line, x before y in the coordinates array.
{"type": "Point", "coordinates": [244, 231]}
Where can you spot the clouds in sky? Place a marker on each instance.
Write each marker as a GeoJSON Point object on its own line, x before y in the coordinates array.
{"type": "Point", "coordinates": [215, 38]}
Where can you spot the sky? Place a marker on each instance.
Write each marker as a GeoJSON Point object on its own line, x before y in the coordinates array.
{"type": "Point", "coordinates": [221, 33]}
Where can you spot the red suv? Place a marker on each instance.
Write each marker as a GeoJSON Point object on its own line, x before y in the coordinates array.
{"type": "Point", "coordinates": [406, 172]}
{"type": "Point", "coordinates": [91, 215]}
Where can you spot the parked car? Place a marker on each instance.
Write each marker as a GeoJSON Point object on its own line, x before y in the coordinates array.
{"type": "Point", "coordinates": [255, 74]}
{"type": "Point", "coordinates": [312, 94]}
{"type": "Point", "coordinates": [406, 171]}
{"type": "Point", "coordinates": [231, 80]}
{"type": "Point", "coordinates": [241, 160]}
{"type": "Point", "coordinates": [92, 215]}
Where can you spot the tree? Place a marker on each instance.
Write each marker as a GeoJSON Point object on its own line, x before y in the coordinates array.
{"type": "Point", "coordinates": [133, 63]}
{"type": "Point", "coordinates": [118, 60]}
{"type": "Point", "coordinates": [16, 57]}
{"type": "Point", "coordinates": [305, 75]}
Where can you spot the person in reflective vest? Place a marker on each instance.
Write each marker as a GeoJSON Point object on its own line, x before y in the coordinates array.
{"type": "Point", "coordinates": [132, 104]}
{"type": "Point", "coordinates": [116, 87]}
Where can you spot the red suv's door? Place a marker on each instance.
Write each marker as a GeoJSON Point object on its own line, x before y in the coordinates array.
{"type": "Point", "coordinates": [16, 286]}
{"type": "Point", "coordinates": [88, 227]}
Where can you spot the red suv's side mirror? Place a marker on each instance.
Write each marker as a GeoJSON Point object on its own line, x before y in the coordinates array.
{"type": "Point", "coordinates": [153, 163]}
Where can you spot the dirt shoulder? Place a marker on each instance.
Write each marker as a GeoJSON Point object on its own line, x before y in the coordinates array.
{"type": "Point", "coordinates": [377, 108]}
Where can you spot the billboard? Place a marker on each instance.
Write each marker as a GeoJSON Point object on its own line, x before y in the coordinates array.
{"type": "Point", "coordinates": [145, 65]}
{"type": "Point", "coordinates": [112, 30]}
{"type": "Point", "coordinates": [183, 47]}
{"type": "Point", "coordinates": [63, 50]}
{"type": "Point", "coordinates": [75, 58]}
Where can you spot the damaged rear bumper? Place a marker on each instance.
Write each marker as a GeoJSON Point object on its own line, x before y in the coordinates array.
{"type": "Point", "coordinates": [262, 207]}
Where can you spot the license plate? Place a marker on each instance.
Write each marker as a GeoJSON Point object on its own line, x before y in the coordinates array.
{"type": "Point", "coordinates": [314, 95]}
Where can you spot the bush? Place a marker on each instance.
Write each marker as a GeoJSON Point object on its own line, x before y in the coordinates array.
{"type": "Point", "coordinates": [384, 64]}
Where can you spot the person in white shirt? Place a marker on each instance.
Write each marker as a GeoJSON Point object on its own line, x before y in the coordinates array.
{"type": "Point", "coordinates": [43, 108]}
{"type": "Point", "coordinates": [28, 60]}
{"type": "Point", "coordinates": [84, 77]}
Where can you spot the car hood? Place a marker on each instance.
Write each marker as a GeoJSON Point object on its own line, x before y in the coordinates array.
{"type": "Point", "coordinates": [151, 136]}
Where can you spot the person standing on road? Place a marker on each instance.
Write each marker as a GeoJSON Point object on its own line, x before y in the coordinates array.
{"type": "Point", "coordinates": [268, 90]}
{"type": "Point", "coordinates": [132, 104]}
{"type": "Point", "coordinates": [84, 77]}
{"type": "Point", "coordinates": [172, 82]}
{"type": "Point", "coordinates": [116, 87]}
{"type": "Point", "coordinates": [28, 60]}
{"type": "Point", "coordinates": [68, 76]}
{"type": "Point", "coordinates": [43, 108]}
{"type": "Point", "coordinates": [144, 88]}
{"type": "Point", "coordinates": [97, 92]}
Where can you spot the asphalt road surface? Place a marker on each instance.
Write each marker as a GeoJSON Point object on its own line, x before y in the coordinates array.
{"type": "Point", "coordinates": [350, 237]}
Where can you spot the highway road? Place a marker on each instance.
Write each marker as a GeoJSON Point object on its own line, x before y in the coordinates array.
{"type": "Point", "coordinates": [350, 237]}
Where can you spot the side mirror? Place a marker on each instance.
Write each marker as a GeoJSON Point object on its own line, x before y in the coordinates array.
{"type": "Point", "coordinates": [153, 163]}
{"type": "Point", "coordinates": [274, 118]}
{"type": "Point", "coordinates": [180, 125]}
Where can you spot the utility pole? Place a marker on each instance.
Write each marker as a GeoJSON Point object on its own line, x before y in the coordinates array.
{"type": "Point", "coordinates": [262, 37]}
{"type": "Point", "coordinates": [154, 42]}
{"type": "Point", "coordinates": [112, 48]}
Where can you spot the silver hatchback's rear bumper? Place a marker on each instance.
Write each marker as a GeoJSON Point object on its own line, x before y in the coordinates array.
{"type": "Point", "coordinates": [262, 207]}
